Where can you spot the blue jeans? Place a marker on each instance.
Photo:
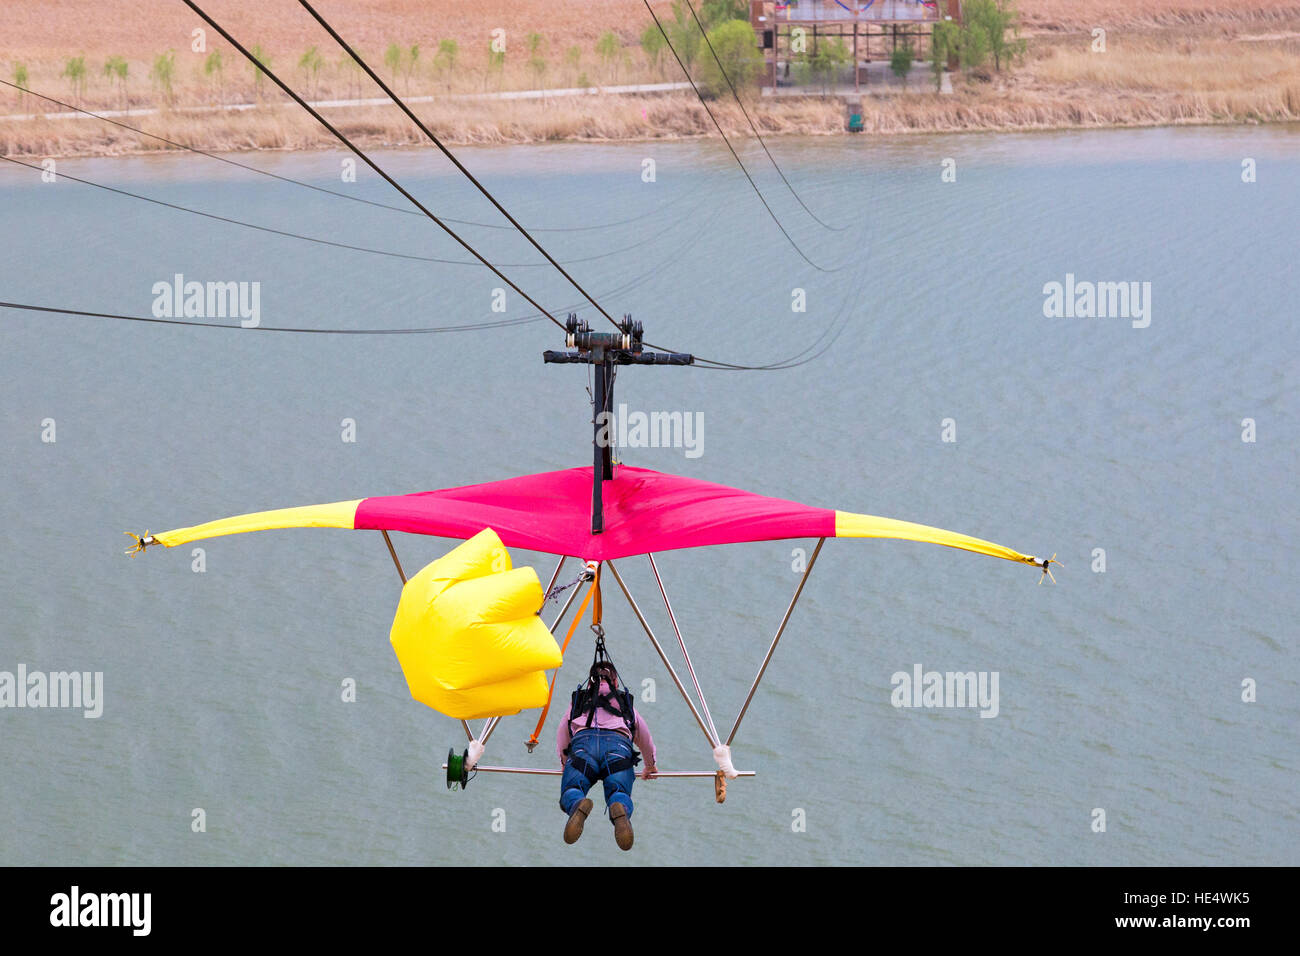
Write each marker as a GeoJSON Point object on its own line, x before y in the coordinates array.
{"type": "Point", "coordinates": [594, 751]}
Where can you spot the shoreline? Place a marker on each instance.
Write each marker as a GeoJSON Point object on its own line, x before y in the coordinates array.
{"type": "Point", "coordinates": [1170, 64]}
{"type": "Point", "coordinates": [329, 144]}
{"type": "Point", "coordinates": [87, 137]}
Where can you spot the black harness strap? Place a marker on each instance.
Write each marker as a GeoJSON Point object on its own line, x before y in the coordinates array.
{"type": "Point", "coordinates": [593, 772]}
{"type": "Point", "coordinates": [585, 767]}
{"type": "Point", "coordinates": [588, 697]}
{"type": "Point", "coordinates": [586, 700]}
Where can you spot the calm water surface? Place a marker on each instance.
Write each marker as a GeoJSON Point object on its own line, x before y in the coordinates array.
{"type": "Point", "coordinates": [1118, 690]}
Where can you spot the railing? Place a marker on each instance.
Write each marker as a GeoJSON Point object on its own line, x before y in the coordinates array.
{"type": "Point", "coordinates": [862, 11]}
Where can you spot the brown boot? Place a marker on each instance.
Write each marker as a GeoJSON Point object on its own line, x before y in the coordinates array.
{"type": "Point", "coordinates": [622, 826]}
{"type": "Point", "coordinates": [573, 829]}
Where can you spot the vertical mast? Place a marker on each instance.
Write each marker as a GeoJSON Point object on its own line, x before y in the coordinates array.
{"type": "Point", "coordinates": [605, 351]}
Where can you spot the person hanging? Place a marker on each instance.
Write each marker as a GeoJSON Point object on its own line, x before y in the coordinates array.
{"type": "Point", "coordinates": [596, 741]}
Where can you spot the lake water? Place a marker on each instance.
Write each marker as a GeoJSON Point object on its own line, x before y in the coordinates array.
{"type": "Point", "coordinates": [1118, 690]}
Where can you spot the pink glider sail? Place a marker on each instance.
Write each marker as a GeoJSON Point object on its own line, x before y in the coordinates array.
{"type": "Point", "coordinates": [645, 512]}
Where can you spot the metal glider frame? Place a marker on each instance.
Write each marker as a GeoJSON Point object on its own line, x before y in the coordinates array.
{"type": "Point", "coordinates": [672, 672]}
{"type": "Point", "coordinates": [664, 774]}
{"type": "Point", "coordinates": [681, 641]}
{"type": "Point", "coordinates": [703, 716]}
{"type": "Point", "coordinates": [706, 721]}
{"type": "Point", "coordinates": [767, 658]}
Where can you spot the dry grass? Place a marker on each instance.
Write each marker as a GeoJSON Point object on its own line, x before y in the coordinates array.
{"type": "Point", "coordinates": [1146, 64]}
{"type": "Point", "coordinates": [1168, 61]}
{"type": "Point", "coordinates": [1081, 14]}
{"type": "Point", "coordinates": [592, 119]}
{"type": "Point", "coordinates": [1200, 73]}
{"type": "Point", "coordinates": [1036, 111]}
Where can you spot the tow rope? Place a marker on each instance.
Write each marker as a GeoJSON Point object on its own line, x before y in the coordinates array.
{"type": "Point", "coordinates": [595, 622]}
{"type": "Point", "coordinates": [559, 589]}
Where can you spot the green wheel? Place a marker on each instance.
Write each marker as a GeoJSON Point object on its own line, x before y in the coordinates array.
{"type": "Point", "coordinates": [457, 772]}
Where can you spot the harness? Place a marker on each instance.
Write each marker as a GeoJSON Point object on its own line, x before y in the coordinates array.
{"type": "Point", "coordinates": [594, 771]}
{"type": "Point", "coordinates": [588, 698]}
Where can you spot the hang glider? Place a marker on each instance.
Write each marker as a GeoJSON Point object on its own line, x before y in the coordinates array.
{"type": "Point", "coordinates": [468, 631]}
{"type": "Point", "coordinates": [645, 512]}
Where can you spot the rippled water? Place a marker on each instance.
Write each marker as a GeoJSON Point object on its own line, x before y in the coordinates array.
{"type": "Point", "coordinates": [1118, 690]}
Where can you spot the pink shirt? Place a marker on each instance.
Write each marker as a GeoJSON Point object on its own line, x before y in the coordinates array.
{"type": "Point", "coordinates": [604, 720]}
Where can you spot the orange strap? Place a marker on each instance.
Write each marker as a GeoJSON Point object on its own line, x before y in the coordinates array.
{"type": "Point", "coordinates": [595, 614]}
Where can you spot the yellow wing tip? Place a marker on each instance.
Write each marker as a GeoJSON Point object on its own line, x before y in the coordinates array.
{"type": "Point", "coordinates": [1046, 565]}
{"type": "Point", "coordinates": [141, 542]}
{"type": "Point", "coordinates": [850, 525]}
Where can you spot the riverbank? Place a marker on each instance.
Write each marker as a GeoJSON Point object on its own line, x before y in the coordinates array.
{"type": "Point", "coordinates": [1165, 62]}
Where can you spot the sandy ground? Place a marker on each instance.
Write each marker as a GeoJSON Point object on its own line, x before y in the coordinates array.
{"type": "Point", "coordinates": [1079, 14]}
{"type": "Point", "coordinates": [36, 29]}
{"type": "Point", "coordinates": [44, 28]}
{"type": "Point", "coordinates": [1167, 61]}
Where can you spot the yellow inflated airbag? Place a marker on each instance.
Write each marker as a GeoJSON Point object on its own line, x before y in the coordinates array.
{"type": "Point", "coordinates": [491, 700]}
{"type": "Point", "coordinates": [468, 636]}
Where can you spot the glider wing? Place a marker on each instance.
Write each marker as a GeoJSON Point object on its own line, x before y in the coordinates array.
{"type": "Point", "coordinates": [645, 512]}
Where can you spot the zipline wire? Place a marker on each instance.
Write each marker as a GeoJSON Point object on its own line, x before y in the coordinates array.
{"type": "Point", "coordinates": [736, 156]}
{"type": "Point", "coordinates": [397, 100]}
{"type": "Point", "coordinates": [331, 242]}
{"type": "Point", "coordinates": [543, 312]}
{"type": "Point", "coordinates": [757, 135]}
{"type": "Point", "coordinates": [367, 160]}
{"type": "Point", "coordinates": [501, 323]}
{"type": "Point", "coordinates": [321, 189]}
